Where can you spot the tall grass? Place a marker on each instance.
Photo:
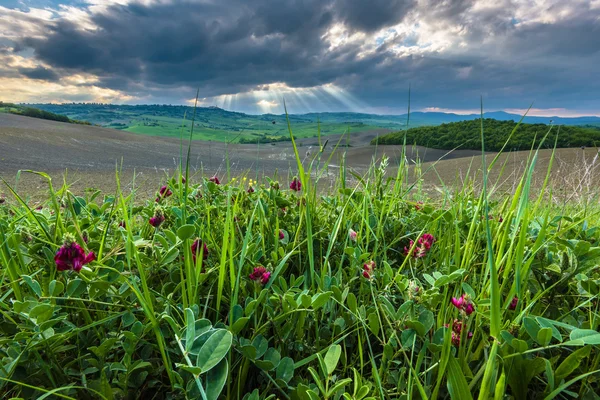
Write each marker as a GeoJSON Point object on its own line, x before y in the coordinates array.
{"type": "Point", "coordinates": [459, 296]}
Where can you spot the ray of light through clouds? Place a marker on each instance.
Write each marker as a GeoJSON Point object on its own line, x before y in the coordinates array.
{"type": "Point", "coordinates": [316, 55]}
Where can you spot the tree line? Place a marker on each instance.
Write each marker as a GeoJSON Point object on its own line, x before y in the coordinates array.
{"type": "Point", "coordinates": [467, 135]}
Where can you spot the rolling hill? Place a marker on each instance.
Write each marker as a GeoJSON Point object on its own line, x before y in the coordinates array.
{"type": "Point", "coordinates": [216, 124]}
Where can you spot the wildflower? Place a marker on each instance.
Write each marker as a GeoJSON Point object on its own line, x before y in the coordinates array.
{"type": "Point", "coordinates": [455, 339]}
{"type": "Point", "coordinates": [250, 190]}
{"type": "Point", "coordinates": [198, 246]}
{"type": "Point", "coordinates": [182, 179]}
{"type": "Point", "coordinates": [70, 256]}
{"type": "Point", "coordinates": [423, 246]}
{"type": "Point", "coordinates": [418, 205]}
{"type": "Point", "coordinates": [500, 219]}
{"type": "Point", "coordinates": [122, 224]}
{"type": "Point", "coordinates": [513, 303]}
{"type": "Point", "coordinates": [414, 291]}
{"type": "Point", "coordinates": [352, 234]}
{"type": "Point", "coordinates": [281, 235]}
{"type": "Point", "coordinates": [157, 219]}
{"type": "Point", "coordinates": [164, 192]}
{"type": "Point", "coordinates": [296, 185]}
{"type": "Point", "coordinates": [215, 180]}
{"type": "Point", "coordinates": [260, 274]}
{"type": "Point", "coordinates": [457, 329]}
{"type": "Point", "coordinates": [368, 269]}
{"type": "Point", "coordinates": [464, 304]}
{"type": "Point", "coordinates": [457, 326]}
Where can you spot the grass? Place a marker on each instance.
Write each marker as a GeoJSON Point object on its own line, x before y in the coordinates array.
{"type": "Point", "coordinates": [459, 296]}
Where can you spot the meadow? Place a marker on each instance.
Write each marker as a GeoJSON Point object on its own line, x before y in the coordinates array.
{"type": "Point", "coordinates": [246, 287]}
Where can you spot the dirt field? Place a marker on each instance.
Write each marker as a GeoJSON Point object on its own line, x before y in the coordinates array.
{"type": "Point", "coordinates": [89, 156]}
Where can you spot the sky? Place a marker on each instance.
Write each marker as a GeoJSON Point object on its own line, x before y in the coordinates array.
{"type": "Point", "coordinates": [316, 55]}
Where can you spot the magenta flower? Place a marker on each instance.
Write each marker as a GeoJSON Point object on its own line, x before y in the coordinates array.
{"type": "Point", "coordinates": [122, 224]}
{"type": "Point", "coordinates": [70, 256]}
{"type": "Point", "coordinates": [296, 185]}
{"type": "Point", "coordinates": [182, 179]}
{"type": "Point", "coordinates": [215, 180]}
{"type": "Point", "coordinates": [513, 303]}
{"type": "Point", "coordinates": [260, 274]}
{"type": "Point", "coordinates": [424, 244]}
{"type": "Point", "coordinates": [368, 269]}
{"type": "Point", "coordinates": [250, 190]}
{"type": "Point", "coordinates": [418, 205]}
{"type": "Point", "coordinates": [163, 193]}
{"type": "Point", "coordinates": [464, 304]}
{"type": "Point", "coordinates": [197, 247]}
{"type": "Point", "coordinates": [352, 235]}
{"type": "Point", "coordinates": [157, 220]}
{"type": "Point", "coordinates": [457, 326]}
{"type": "Point", "coordinates": [457, 329]}
{"type": "Point", "coordinates": [281, 235]}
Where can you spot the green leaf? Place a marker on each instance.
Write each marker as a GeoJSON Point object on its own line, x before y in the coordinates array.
{"type": "Point", "coordinates": [186, 232]}
{"type": "Point", "coordinates": [320, 299]}
{"type": "Point", "coordinates": [216, 379]}
{"type": "Point", "coordinates": [192, 370]}
{"type": "Point", "coordinates": [190, 333]}
{"type": "Point", "coordinates": [373, 323]}
{"type": "Point", "coordinates": [585, 336]}
{"type": "Point", "coordinates": [41, 313]}
{"type": "Point", "coordinates": [457, 384]}
{"type": "Point", "coordinates": [416, 326]}
{"type": "Point", "coordinates": [214, 349]}
{"type": "Point", "coordinates": [332, 357]}
{"type": "Point", "coordinates": [544, 336]}
{"type": "Point", "coordinates": [261, 345]}
{"type": "Point", "coordinates": [55, 288]}
{"type": "Point", "coordinates": [571, 363]}
{"type": "Point", "coordinates": [285, 369]}
{"type": "Point", "coordinates": [531, 326]}
{"type": "Point", "coordinates": [351, 302]}
{"type": "Point", "coordinates": [170, 256]}
{"type": "Point", "coordinates": [270, 361]}
{"type": "Point", "coordinates": [34, 285]}
{"type": "Point", "coordinates": [239, 325]}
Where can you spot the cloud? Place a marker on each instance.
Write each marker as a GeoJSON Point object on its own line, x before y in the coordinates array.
{"type": "Point", "coordinates": [332, 54]}
{"type": "Point", "coordinates": [40, 73]}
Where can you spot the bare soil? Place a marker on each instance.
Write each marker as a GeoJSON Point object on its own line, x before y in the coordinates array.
{"type": "Point", "coordinates": [88, 156]}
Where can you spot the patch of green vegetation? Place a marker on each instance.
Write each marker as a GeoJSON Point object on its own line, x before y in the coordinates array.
{"type": "Point", "coordinates": [37, 113]}
{"type": "Point", "coordinates": [467, 135]}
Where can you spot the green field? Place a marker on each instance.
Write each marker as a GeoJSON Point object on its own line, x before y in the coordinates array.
{"type": "Point", "coordinates": [227, 130]}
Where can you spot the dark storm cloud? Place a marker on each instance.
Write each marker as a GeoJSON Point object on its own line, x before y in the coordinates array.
{"type": "Point", "coordinates": [40, 73]}
{"type": "Point", "coordinates": [372, 15]}
{"type": "Point", "coordinates": [227, 47]}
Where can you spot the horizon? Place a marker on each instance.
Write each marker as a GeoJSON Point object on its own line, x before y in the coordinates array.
{"type": "Point", "coordinates": [321, 56]}
{"type": "Point", "coordinates": [520, 112]}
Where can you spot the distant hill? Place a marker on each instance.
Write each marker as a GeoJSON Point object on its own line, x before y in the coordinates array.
{"type": "Point", "coordinates": [467, 135]}
{"type": "Point", "coordinates": [217, 124]}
